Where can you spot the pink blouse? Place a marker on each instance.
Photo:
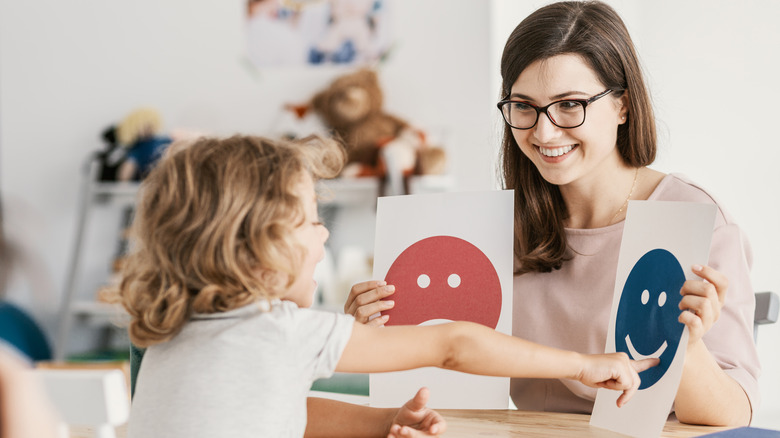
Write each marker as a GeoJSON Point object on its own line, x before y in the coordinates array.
{"type": "Point", "coordinates": [570, 308]}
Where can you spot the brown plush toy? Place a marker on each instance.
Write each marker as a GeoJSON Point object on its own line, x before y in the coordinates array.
{"type": "Point", "coordinates": [376, 142]}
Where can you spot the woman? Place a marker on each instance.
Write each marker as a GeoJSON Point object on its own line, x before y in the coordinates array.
{"type": "Point", "coordinates": [579, 133]}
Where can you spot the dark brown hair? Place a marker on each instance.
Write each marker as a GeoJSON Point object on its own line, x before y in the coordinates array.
{"type": "Point", "coordinates": [213, 229]}
{"type": "Point", "coordinates": [595, 32]}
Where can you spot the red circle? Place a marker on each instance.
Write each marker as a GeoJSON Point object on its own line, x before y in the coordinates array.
{"type": "Point", "coordinates": [477, 298]}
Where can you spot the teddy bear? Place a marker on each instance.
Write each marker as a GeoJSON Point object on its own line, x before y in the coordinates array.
{"type": "Point", "coordinates": [377, 143]}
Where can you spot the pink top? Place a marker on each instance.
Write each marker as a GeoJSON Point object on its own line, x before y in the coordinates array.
{"type": "Point", "coordinates": [570, 308]}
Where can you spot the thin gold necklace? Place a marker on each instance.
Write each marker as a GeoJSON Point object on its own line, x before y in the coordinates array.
{"type": "Point", "coordinates": [625, 203]}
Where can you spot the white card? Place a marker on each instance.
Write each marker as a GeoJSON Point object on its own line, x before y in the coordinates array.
{"type": "Point", "coordinates": [449, 256]}
{"type": "Point", "coordinates": [661, 241]}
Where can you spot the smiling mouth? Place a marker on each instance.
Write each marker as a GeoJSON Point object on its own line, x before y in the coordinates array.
{"type": "Point", "coordinates": [637, 356]}
{"type": "Point", "coordinates": [555, 152]}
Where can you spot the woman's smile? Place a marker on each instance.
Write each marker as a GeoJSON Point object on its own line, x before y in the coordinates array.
{"type": "Point", "coordinates": [555, 154]}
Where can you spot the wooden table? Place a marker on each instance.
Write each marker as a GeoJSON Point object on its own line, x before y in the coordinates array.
{"type": "Point", "coordinates": [462, 423]}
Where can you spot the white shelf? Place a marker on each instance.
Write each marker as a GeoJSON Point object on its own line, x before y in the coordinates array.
{"type": "Point", "coordinates": [98, 313]}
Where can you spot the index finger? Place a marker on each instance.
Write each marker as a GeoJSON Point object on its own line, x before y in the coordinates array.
{"type": "Point", "coordinates": [641, 365]}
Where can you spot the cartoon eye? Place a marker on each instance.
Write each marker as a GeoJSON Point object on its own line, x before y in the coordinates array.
{"type": "Point", "coordinates": [662, 299]}
{"type": "Point", "coordinates": [645, 296]}
{"type": "Point", "coordinates": [423, 281]}
{"type": "Point", "coordinates": [453, 280]}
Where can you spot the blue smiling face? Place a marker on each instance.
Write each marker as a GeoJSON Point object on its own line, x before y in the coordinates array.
{"type": "Point", "coordinates": [647, 315]}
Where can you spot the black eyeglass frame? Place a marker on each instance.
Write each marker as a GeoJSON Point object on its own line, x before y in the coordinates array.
{"type": "Point", "coordinates": [543, 109]}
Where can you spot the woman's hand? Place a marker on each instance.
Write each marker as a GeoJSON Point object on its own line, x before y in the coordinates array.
{"type": "Point", "coordinates": [414, 419]}
{"type": "Point", "coordinates": [702, 301]}
{"type": "Point", "coordinates": [366, 299]}
{"type": "Point", "coordinates": [614, 371]}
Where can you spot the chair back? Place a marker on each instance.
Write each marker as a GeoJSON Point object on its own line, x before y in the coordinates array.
{"type": "Point", "coordinates": [95, 399]}
{"type": "Point", "coordinates": [767, 308]}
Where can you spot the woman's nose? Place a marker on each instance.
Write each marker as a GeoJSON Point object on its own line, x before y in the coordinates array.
{"type": "Point", "coordinates": [545, 131]}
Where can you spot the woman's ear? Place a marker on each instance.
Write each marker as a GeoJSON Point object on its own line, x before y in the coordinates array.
{"type": "Point", "coordinates": [623, 107]}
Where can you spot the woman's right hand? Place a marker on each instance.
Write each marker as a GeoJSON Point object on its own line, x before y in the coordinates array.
{"type": "Point", "coordinates": [366, 299]}
{"type": "Point", "coordinates": [614, 371]}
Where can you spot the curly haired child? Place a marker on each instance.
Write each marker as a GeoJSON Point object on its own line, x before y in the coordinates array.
{"type": "Point", "coordinates": [219, 287]}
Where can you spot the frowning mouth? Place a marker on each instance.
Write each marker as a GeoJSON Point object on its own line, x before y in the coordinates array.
{"type": "Point", "coordinates": [638, 356]}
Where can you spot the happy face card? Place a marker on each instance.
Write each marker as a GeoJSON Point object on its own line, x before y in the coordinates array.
{"type": "Point", "coordinates": [661, 241]}
{"type": "Point", "coordinates": [449, 256]}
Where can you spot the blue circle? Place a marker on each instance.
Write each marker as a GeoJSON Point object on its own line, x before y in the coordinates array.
{"type": "Point", "coordinates": [648, 312]}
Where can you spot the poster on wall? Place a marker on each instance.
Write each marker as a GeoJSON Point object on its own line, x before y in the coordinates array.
{"type": "Point", "coordinates": [299, 33]}
{"type": "Point", "coordinates": [449, 256]}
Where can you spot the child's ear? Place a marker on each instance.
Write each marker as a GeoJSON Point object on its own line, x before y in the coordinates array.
{"type": "Point", "coordinates": [274, 282]}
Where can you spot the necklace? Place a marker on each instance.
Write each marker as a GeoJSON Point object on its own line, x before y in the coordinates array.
{"type": "Point", "coordinates": [625, 203]}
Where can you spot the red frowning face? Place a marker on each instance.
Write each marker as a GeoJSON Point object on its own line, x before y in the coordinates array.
{"type": "Point", "coordinates": [444, 277]}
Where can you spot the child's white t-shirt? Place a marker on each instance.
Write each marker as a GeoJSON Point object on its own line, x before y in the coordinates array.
{"type": "Point", "coordinates": [242, 373]}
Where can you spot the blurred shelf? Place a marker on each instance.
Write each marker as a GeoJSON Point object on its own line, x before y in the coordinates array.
{"type": "Point", "coordinates": [97, 313]}
{"type": "Point", "coordinates": [114, 192]}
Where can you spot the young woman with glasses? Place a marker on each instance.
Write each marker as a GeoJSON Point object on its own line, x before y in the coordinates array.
{"type": "Point", "coordinates": [579, 133]}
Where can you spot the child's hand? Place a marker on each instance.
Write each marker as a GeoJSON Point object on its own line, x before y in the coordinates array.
{"type": "Point", "coordinates": [614, 371]}
{"type": "Point", "coordinates": [702, 301]}
{"type": "Point", "coordinates": [365, 299]}
{"type": "Point", "coordinates": [414, 419]}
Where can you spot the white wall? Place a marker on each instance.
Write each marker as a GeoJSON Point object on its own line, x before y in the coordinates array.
{"type": "Point", "coordinates": [712, 71]}
{"type": "Point", "coordinates": [69, 69]}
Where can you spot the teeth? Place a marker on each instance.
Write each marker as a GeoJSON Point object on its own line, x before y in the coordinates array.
{"type": "Point", "coordinates": [555, 152]}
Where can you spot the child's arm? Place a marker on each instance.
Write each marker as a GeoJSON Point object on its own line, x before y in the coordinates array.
{"type": "Point", "coordinates": [328, 418]}
{"type": "Point", "coordinates": [476, 349]}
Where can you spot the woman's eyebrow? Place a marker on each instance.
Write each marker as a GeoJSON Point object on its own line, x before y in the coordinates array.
{"type": "Point", "coordinates": [563, 95]}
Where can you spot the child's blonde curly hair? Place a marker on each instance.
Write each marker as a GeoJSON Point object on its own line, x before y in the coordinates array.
{"type": "Point", "coordinates": [213, 229]}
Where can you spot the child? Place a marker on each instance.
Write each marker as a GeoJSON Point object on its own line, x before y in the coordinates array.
{"type": "Point", "coordinates": [219, 288]}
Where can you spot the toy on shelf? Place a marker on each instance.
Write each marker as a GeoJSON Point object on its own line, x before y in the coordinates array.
{"type": "Point", "coordinates": [139, 133]}
{"type": "Point", "coordinates": [378, 144]}
{"type": "Point", "coordinates": [111, 157]}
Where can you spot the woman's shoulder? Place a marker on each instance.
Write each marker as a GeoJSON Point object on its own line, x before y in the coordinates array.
{"type": "Point", "coordinates": [678, 187]}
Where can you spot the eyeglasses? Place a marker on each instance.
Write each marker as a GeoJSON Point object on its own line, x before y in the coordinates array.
{"type": "Point", "coordinates": [566, 113]}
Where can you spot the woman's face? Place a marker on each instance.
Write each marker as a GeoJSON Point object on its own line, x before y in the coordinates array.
{"type": "Point", "coordinates": [311, 234]}
{"type": "Point", "coordinates": [563, 156]}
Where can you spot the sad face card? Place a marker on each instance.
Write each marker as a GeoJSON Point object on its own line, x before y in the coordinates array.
{"type": "Point", "coordinates": [449, 256]}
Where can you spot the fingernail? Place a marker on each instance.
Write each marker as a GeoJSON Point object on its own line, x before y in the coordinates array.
{"type": "Point", "coordinates": [390, 288]}
{"type": "Point", "coordinates": [697, 267]}
{"type": "Point", "coordinates": [389, 303]}
{"type": "Point", "coordinates": [381, 283]}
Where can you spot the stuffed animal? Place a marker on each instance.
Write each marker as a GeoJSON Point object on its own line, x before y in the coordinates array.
{"type": "Point", "coordinates": [378, 144]}
{"type": "Point", "coordinates": [139, 132]}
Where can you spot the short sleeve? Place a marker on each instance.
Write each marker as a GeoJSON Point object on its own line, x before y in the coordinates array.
{"type": "Point", "coordinates": [322, 337]}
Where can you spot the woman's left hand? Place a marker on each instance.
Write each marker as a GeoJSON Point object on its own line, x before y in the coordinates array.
{"type": "Point", "coordinates": [702, 301]}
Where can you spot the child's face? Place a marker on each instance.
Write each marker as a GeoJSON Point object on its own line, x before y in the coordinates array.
{"type": "Point", "coordinates": [311, 234]}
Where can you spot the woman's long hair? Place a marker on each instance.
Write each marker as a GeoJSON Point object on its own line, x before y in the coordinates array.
{"type": "Point", "coordinates": [595, 32]}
